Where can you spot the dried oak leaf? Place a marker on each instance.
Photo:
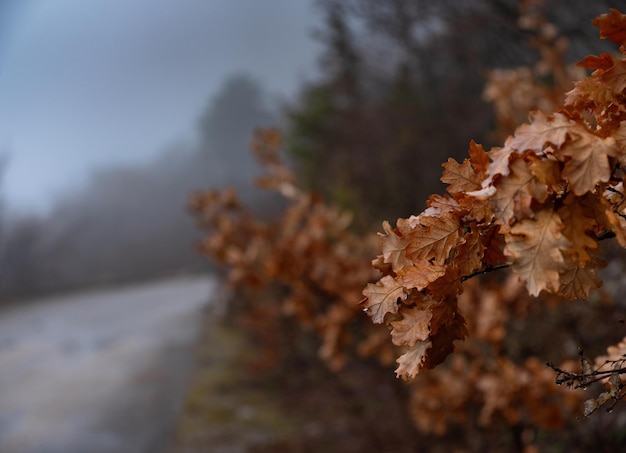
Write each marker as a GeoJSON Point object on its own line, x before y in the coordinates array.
{"type": "Point", "coordinates": [410, 363]}
{"type": "Point", "coordinates": [604, 213]}
{"type": "Point", "coordinates": [604, 87]}
{"type": "Point", "coordinates": [452, 327]}
{"type": "Point", "coordinates": [420, 274]}
{"type": "Point", "coordinates": [382, 298]}
{"type": "Point", "coordinates": [578, 227]}
{"type": "Point", "coordinates": [413, 327]}
{"type": "Point", "coordinates": [394, 248]}
{"type": "Point", "coordinates": [603, 62]}
{"type": "Point", "coordinates": [547, 170]}
{"type": "Point", "coordinates": [478, 157]}
{"type": "Point", "coordinates": [577, 281]}
{"type": "Point", "coordinates": [589, 161]}
{"type": "Point", "coordinates": [460, 177]}
{"type": "Point", "coordinates": [534, 246]}
{"type": "Point", "coordinates": [499, 165]}
{"type": "Point", "coordinates": [493, 242]}
{"type": "Point", "coordinates": [541, 132]}
{"type": "Point", "coordinates": [514, 194]}
{"type": "Point", "coordinates": [448, 286]}
{"type": "Point", "coordinates": [612, 26]}
{"type": "Point", "coordinates": [432, 238]}
{"type": "Point", "coordinates": [470, 253]}
{"type": "Point", "coordinates": [438, 205]}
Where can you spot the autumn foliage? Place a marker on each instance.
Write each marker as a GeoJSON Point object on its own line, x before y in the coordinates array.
{"type": "Point", "coordinates": [539, 205]}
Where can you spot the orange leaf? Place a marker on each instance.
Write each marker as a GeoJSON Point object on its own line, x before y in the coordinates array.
{"type": "Point", "coordinates": [438, 204]}
{"type": "Point", "coordinates": [394, 248]}
{"type": "Point", "coordinates": [382, 298]}
{"type": "Point", "coordinates": [612, 26]}
{"type": "Point", "coordinates": [433, 237]}
{"type": "Point", "coordinates": [478, 157]}
{"type": "Point", "coordinates": [493, 244]}
{"type": "Point", "coordinates": [589, 163]}
{"type": "Point", "coordinates": [410, 362]}
{"type": "Point", "coordinates": [421, 274]}
{"type": "Point", "coordinates": [470, 253]}
{"type": "Point", "coordinates": [535, 245]}
{"type": "Point", "coordinates": [576, 281]}
{"type": "Point", "coordinates": [413, 327]}
{"type": "Point", "coordinates": [446, 287]}
{"type": "Point", "coordinates": [603, 62]}
{"type": "Point", "coordinates": [499, 166]}
{"type": "Point", "coordinates": [547, 170]}
{"type": "Point", "coordinates": [542, 131]}
{"type": "Point", "coordinates": [460, 177]}
{"type": "Point", "coordinates": [602, 88]}
{"type": "Point", "coordinates": [578, 226]}
{"type": "Point", "coordinates": [514, 194]}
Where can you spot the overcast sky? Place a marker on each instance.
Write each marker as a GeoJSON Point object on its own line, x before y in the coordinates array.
{"type": "Point", "coordinates": [87, 82]}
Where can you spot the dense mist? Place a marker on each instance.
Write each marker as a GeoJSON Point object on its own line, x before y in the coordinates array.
{"type": "Point", "coordinates": [130, 222]}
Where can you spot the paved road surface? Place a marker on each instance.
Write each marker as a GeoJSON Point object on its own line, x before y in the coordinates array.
{"type": "Point", "coordinates": [98, 372]}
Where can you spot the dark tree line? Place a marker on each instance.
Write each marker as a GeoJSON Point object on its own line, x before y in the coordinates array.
{"type": "Point", "coordinates": [401, 91]}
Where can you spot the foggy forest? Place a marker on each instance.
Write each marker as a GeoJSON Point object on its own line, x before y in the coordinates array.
{"type": "Point", "coordinates": [420, 249]}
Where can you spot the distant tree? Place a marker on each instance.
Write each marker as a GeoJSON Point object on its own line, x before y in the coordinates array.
{"type": "Point", "coordinates": [225, 129]}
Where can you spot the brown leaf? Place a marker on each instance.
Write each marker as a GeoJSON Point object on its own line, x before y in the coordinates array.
{"type": "Point", "coordinates": [577, 281]}
{"type": "Point", "coordinates": [604, 213]}
{"type": "Point", "coordinates": [382, 298]}
{"type": "Point", "coordinates": [612, 26]}
{"type": "Point", "coordinates": [432, 238]}
{"type": "Point", "coordinates": [446, 287]}
{"type": "Point", "coordinates": [514, 194]}
{"type": "Point", "coordinates": [535, 245]}
{"type": "Point", "coordinates": [394, 248]}
{"type": "Point", "coordinates": [578, 227]}
{"type": "Point", "coordinates": [478, 157]}
{"type": "Point", "coordinates": [547, 170]}
{"type": "Point", "coordinates": [603, 62]}
{"type": "Point", "coordinates": [460, 177]}
{"type": "Point", "coordinates": [410, 363]}
{"type": "Point", "coordinates": [413, 327]}
{"type": "Point", "coordinates": [470, 253]}
{"type": "Point", "coordinates": [499, 166]}
{"type": "Point", "coordinates": [493, 242]}
{"type": "Point", "coordinates": [438, 205]}
{"type": "Point", "coordinates": [541, 132]}
{"type": "Point", "coordinates": [601, 89]}
{"type": "Point", "coordinates": [588, 165]}
{"type": "Point", "coordinates": [442, 339]}
{"type": "Point", "coordinates": [421, 274]}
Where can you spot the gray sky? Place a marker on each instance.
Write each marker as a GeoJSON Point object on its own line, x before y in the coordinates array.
{"type": "Point", "coordinates": [87, 82]}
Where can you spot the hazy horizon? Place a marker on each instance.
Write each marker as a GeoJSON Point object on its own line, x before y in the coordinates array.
{"type": "Point", "coordinates": [112, 82]}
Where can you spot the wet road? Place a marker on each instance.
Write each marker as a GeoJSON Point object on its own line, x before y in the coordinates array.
{"type": "Point", "coordinates": [98, 372]}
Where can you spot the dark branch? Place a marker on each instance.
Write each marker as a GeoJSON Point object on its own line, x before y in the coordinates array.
{"type": "Point", "coordinates": [484, 271]}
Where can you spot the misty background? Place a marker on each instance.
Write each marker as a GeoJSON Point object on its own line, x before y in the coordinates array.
{"type": "Point", "coordinates": [113, 112]}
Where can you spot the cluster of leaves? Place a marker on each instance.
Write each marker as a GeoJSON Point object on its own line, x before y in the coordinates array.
{"type": "Point", "coordinates": [539, 205]}
{"type": "Point", "coordinates": [319, 268]}
{"type": "Point", "coordinates": [308, 251]}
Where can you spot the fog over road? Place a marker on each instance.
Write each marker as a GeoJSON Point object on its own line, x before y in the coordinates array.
{"type": "Point", "coordinates": [98, 372]}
